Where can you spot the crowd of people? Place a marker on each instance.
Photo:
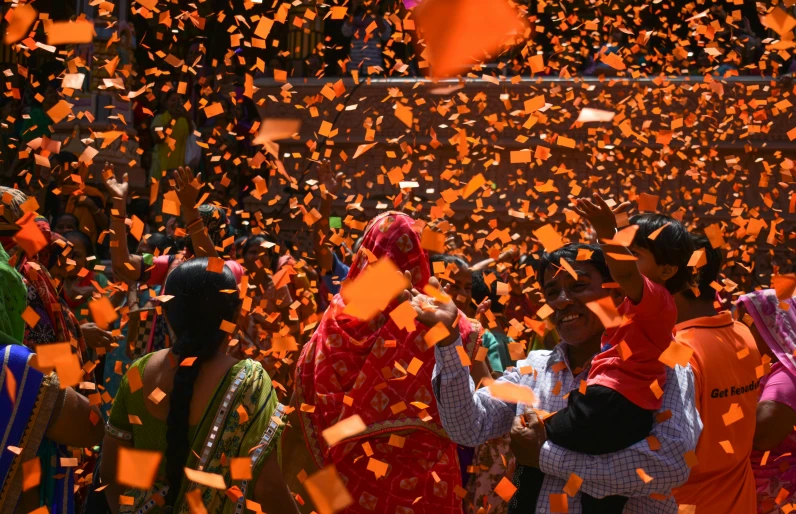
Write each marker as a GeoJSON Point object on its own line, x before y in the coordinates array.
{"type": "Point", "coordinates": [611, 374]}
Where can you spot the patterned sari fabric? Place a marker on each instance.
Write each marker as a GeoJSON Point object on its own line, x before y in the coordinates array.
{"type": "Point", "coordinates": [775, 471]}
{"type": "Point", "coordinates": [352, 367]}
{"type": "Point", "coordinates": [12, 299]}
{"type": "Point", "coordinates": [493, 461]}
{"type": "Point", "coordinates": [57, 323]}
{"type": "Point", "coordinates": [222, 434]}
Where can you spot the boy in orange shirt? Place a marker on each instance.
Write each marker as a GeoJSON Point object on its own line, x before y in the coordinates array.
{"type": "Point", "coordinates": [624, 388]}
{"type": "Point", "coordinates": [724, 361]}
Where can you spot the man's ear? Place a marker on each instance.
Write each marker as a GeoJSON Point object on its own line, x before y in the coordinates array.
{"type": "Point", "coordinates": [617, 295]}
{"type": "Point", "coordinates": [667, 271]}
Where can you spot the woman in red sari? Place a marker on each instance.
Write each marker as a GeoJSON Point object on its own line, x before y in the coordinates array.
{"type": "Point", "coordinates": [355, 367]}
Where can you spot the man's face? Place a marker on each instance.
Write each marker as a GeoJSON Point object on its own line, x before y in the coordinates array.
{"type": "Point", "coordinates": [568, 296]}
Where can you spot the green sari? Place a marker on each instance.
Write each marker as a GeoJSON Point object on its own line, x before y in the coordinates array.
{"type": "Point", "coordinates": [221, 435]}
{"type": "Point", "coordinates": [13, 299]}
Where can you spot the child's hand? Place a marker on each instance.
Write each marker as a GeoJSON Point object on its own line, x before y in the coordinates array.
{"type": "Point", "coordinates": [600, 215]}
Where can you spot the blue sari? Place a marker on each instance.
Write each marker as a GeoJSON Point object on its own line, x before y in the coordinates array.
{"type": "Point", "coordinates": [23, 422]}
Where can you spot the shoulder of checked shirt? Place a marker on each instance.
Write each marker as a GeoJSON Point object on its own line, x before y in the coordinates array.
{"type": "Point", "coordinates": [550, 361]}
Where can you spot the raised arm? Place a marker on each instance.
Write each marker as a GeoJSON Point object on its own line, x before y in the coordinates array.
{"type": "Point", "coordinates": [188, 191]}
{"type": "Point", "coordinates": [470, 417]}
{"type": "Point", "coordinates": [616, 473]}
{"type": "Point", "coordinates": [125, 266]}
{"type": "Point", "coordinates": [331, 184]}
{"type": "Point", "coordinates": [603, 219]}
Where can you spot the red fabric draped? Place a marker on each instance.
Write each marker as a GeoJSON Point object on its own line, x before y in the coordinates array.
{"type": "Point", "coordinates": [351, 367]}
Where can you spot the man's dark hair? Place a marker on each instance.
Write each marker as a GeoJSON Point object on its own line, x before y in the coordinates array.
{"type": "Point", "coordinates": [672, 246]}
{"type": "Point", "coordinates": [570, 254]}
{"type": "Point", "coordinates": [708, 273]}
{"type": "Point", "coordinates": [481, 291]}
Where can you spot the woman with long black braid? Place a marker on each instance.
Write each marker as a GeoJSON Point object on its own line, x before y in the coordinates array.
{"type": "Point", "coordinates": [214, 409]}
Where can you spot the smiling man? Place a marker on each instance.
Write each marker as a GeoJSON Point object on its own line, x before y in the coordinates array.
{"type": "Point", "coordinates": [473, 417]}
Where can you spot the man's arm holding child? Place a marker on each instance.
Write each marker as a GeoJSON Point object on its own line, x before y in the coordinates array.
{"type": "Point", "coordinates": [662, 456]}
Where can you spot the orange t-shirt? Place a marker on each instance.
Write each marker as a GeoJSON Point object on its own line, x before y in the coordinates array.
{"type": "Point", "coordinates": [724, 361]}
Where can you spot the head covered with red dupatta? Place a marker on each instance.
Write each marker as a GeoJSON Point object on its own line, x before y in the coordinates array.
{"type": "Point", "coordinates": [360, 367]}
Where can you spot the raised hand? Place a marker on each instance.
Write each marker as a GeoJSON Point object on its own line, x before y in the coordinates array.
{"type": "Point", "coordinates": [600, 215]}
{"type": "Point", "coordinates": [431, 311]}
{"type": "Point", "coordinates": [118, 189]}
{"type": "Point", "coordinates": [328, 178]}
{"type": "Point", "coordinates": [187, 187]}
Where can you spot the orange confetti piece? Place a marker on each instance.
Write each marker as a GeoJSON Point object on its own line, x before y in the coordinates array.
{"type": "Point", "coordinates": [19, 23]}
{"type": "Point", "coordinates": [643, 475]}
{"type": "Point", "coordinates": [228, 326]}
{"type": "Point", "coordinates": [727, 446]}
{"type": "Point", "coordinates": [436, 334]}
{"type": "Point", "coordinates": [195, 503]}
{"type": "Point", "coordinates": [156, 396]}
{"type": "Point", "coordinates": [459, 32]}
{"type": "Point", "coordinates": [397, 441]}
{"type": "Point", "coordinates": [676, 353]}
{"type": "Point", "coordinates": [505, 489]}
{"type": "Point", "coordinates": [784, 285]}
{"type": "Point", "coordinates": [31, 473]}
{"type": "Point", "coordinates": [102, 312]}
{"type": "Point", "coordinates": [207, 479]}
{"type": "Point", "coordinates": [69, 32]}
{"type": "Point", "coordinates": [378, 467]}
{"type": "Point", "coordinates": [473, 185]}
{"type": "Point", "coordinates": [327, 491]}
{"type": "Point", "coordinates": [559, 503]}
{"type": "Point", "coordinates": [734, 414]}
{"type": "Point", "coordinates": [240, 468]}
{"type": "Point", "coordinates": [373, 290]}
{"type": "Point", "coordinates": [29, 237]}
{"type": "Point", "coordinates": [134, 379]}
{"type": "Point", "coordinates": [512, 393]}
{"type": "Point", "coordinates": [573, 485]}
{"type": "Point", "coordinates": [344, 429]}
{"type": "Point", "coordinates": [655, 387]}
{"type": "Point", "coordinates": [137, 468]}
{"type": "Point", "coordinates": [30, 317]}
{"type": "Point", "coordinates": [549, 237]}
{"type": "Point", "coordinates": [404, 316]}
{"type": "Point", "coordinates": [605, 309]}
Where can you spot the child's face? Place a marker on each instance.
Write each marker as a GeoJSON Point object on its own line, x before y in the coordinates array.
{"type": "Point", "coordinates": [647, 266]}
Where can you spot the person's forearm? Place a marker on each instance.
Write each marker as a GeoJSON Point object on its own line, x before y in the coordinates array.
{"type": "Point", "coordinates": [120, 253]}
{"type": "Point", "coordinates": [323, 253]}
{"type": "Point", "coordinates": [100, 219]}
{"type": "Point", "coordinates": [470, 418]}
{"type": "Point", "coordinates": [203, 246]}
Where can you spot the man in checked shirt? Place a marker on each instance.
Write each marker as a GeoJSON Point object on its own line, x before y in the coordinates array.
{"type": "Point", "coordinates": [474, 417]}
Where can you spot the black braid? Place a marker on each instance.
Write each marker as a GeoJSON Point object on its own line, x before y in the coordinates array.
{"type": "Point", "coordinates": [195, 315]}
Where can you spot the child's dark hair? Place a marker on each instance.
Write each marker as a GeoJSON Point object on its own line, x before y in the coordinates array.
{"type": "Point", "coordinates": [200, 303]}
{"type": "Point", "coordinates": [481, 290]}
{"type": "Point", "coordinates": [570, 254]}
{"type": "Point", "coordinates": [708, 273]}
{"type": "Point", "coordinates": [672, 246]}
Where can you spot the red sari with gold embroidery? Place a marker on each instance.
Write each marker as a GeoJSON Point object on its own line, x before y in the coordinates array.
{"type": "Point", "coordinates": [352, 367]}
